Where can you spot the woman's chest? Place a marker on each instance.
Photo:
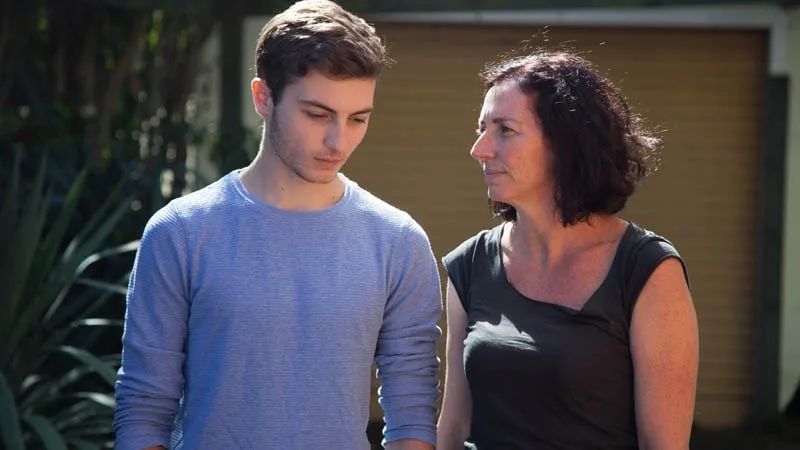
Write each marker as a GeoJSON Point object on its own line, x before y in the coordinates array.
{"type": "Point", "coordinates": [544, 344]}
{"type": "Point", "coordinates": [570, 283]}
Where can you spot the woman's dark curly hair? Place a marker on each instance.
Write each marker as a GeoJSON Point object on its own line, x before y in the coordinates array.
{"type": "Point", "coordinates": [600, 149]}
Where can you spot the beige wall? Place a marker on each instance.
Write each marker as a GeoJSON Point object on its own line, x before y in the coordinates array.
{"type": "Point", "coordinates": [790, 342]}
{"type": "Point", "coordinates": [790, 334]}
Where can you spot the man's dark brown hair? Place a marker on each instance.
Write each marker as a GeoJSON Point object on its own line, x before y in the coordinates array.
{"type": "Point", "coordinates": [317, 35]}
{"type": "Point", "coordinates": [600, 149]}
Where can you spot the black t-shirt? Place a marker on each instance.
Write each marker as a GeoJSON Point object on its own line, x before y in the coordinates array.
{"type": "Point", "coordinates": [544, 376]}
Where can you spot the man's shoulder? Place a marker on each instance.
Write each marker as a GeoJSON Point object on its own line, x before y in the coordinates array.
{"type": "Point", "coordinates": [193, 206]}
{"type": "Point", "coordinates": [380, 211]}
{"type": "Point", "coordinates": [213, 196]}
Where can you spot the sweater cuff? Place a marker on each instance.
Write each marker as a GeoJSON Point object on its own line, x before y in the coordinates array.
{"type": "Point", "coordinates": [141, 437]}
{"type": "Point", "coordinates": [420, 434]}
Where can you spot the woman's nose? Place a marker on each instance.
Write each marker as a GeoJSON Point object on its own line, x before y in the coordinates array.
{"type": "Point", "coordinates": [482, 148]}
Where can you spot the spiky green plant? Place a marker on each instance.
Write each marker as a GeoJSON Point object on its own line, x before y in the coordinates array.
{"type": "Point", "coordinates": [54, 392]}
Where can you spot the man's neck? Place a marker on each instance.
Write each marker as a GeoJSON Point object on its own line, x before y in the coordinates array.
{"type": "Point", "coordinates": [268, 179]}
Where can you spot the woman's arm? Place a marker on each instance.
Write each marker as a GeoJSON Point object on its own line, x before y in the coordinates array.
{"type": "Point", "coordinates": [454, 420]}
{"type": "Point", "coordinates": [665, 351]}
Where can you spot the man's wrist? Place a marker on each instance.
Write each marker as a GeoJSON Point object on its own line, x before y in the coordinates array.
{"type": "Point", "coordinates": [409, 444]}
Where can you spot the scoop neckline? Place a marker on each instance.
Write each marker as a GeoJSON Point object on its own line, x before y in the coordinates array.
{"type": "Point", "coordinates": [498, 253]}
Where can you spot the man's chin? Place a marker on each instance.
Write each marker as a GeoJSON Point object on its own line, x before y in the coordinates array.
{"type": "Point", "coordinates": [322, 178]}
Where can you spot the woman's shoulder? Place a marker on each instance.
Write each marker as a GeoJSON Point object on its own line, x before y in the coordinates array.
{"type": "Point", "coordinates": [640, 238]}
{"type": "Point", "coordinates": [480, 241]}
{"type": "Point", "coordinates": [644, 251]}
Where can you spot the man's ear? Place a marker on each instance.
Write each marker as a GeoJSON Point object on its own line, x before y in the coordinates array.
{"type": "Point", "coordinates": [262, 100]}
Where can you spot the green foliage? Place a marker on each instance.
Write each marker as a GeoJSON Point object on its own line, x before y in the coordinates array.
{"type": "Point", "coordinates": [56, 392]}
{"type": "Point", "coordinates": [97, 123]}
{"type": "Point", "coordinates": [196, 6]}
{"type": "Point", "coordinates": [102, 85]}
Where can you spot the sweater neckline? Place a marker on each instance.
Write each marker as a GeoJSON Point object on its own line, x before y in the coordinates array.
{"type": "Point", "coordinates": [349, 188]}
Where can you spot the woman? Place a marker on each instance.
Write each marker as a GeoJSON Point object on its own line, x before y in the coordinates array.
{"type": "Point", "coordinates": [568, 327]}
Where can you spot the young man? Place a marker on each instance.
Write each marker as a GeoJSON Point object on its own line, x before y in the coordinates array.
{"type": "Point", "coordinates": [258, 304]}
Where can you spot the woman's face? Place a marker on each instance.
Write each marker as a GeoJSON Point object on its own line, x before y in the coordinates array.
{"type": "Point", "coordinates": [516, 162]}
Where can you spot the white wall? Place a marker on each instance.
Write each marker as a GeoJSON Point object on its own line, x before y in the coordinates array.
{"type": "Point", "coordinates": [250, 31]}
{"type": "Point", "coordinates": [790, 326]}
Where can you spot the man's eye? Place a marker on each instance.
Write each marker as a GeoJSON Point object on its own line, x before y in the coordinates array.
{"type": "Point", "coordinates": [360, 120]}
{"type": "Point", "coordinates": [505, 130]}
{"type": "Point", "coordinates": [316, 116]}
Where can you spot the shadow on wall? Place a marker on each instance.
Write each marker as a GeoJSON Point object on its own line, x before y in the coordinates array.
{"type": "Point", "coordinates": [781, 435]}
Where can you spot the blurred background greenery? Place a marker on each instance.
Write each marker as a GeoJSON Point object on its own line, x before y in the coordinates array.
{"type": "Point", "coordinates": [96, 116]}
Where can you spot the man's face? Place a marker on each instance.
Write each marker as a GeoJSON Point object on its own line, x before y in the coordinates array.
{"type": "Point", "coordinates": [318, 123]}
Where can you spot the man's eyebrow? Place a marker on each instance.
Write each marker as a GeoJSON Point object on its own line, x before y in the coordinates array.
{"type": "Point", "coordinates": [319, 105]}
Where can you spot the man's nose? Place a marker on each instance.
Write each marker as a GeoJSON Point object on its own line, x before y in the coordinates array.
{"type": "Point", "coordinates": [336, 137]}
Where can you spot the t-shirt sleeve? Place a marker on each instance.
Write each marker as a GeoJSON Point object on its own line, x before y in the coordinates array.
{"type": "Point", "coordinates": [458, 265]}
{"type": "Point", "coordinates": [645, 259]}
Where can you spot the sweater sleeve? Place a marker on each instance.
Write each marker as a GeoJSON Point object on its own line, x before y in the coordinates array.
{"type": "Point", "coordinates": [151, 376]}
{"type": "Point", "coordinates": [406, 352]}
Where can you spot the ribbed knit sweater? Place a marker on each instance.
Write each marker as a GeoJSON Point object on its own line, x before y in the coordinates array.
{"type": "Point", "coordinates": [252, 327]}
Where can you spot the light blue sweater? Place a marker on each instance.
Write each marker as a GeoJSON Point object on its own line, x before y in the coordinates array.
{"type": "Point", "coordinates": [251, 327]}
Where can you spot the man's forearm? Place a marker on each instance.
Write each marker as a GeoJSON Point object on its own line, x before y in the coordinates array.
{"type": "Point", "coordinates": [409, 444]}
